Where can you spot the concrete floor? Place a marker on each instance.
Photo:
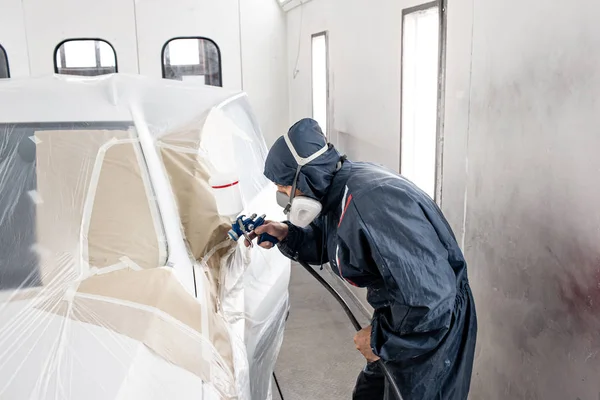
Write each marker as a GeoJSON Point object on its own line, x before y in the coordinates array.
{"type": "Point", "coordinates": [318, 359]}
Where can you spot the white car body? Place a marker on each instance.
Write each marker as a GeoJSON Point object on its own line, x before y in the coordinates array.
{"type": "Point", "coordinates": [103, 296]}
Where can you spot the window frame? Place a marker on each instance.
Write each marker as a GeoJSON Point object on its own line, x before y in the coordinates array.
{"type": "Point", "coordinates": [288, 5]}
{"type": "Point", "coordinates": [3, 51]}
{"type": "Point", "coordinates": [442, 6]}
{"type": "Point", "coordinates": [325, 34]}
{"type": "Point", "coordinates": [163, 65]}
{"type": "Point", "coordinates": [59, 47]}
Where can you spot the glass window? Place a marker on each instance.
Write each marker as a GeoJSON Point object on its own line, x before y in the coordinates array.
{"type": "Point", "coordinates": [47, 171]}
{"type": "Point", "coordinates": [85, 57]}
{"type": "Point", "coordinates": [320, 80]}
{"type": "Point", "coordinates": [4, 70]}
{"type": "Point", "coordinates": [192, 59]}
{"type": "Point", "coordinates": [420, 74]}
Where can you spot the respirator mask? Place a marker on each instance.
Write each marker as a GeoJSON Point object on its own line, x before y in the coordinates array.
{"type": "Point", "coordinates": [300, 210]}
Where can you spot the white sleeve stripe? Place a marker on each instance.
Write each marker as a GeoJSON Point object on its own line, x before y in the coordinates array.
{"type": "Point", "coordinates": [343, 205]}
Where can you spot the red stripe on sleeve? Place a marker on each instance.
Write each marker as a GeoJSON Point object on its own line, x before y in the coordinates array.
{"type": "Point", "coordinates": [345, 208]}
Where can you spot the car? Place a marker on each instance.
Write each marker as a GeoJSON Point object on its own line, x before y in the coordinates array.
{"type": "Point", "coordinates": [117, 280]}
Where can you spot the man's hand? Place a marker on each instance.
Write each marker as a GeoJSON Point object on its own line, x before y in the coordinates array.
{"type": "Point", "coordinates": [276, 229]}
{"type": "Point", "coordinates": [362, 340]}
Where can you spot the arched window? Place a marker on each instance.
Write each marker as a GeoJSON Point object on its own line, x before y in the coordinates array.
{"type": "Point", "coordinates": [4, 70]}
{"type": "Point", "coordinates": [192, 58]}
{"type": "Point", "coordinates": [85, 57]}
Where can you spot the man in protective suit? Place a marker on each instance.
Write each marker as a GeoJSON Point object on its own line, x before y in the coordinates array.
{"type": "Point", "coordinates": [378, 230]}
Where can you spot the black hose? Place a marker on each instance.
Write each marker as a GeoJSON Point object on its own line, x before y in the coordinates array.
{"type": "Point", "coordinates": [275, 376]}
{"type": "Point", "coordinates": [355, 323]}
{"type": "Point", "coordinates": [278, 387]}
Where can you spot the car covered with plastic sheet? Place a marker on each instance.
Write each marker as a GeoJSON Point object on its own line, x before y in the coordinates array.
{"type": "Point", "coordinates": [116, 277]}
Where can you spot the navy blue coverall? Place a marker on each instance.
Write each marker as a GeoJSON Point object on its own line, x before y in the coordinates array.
{"type": "Point", "coordinates": [378, 230]}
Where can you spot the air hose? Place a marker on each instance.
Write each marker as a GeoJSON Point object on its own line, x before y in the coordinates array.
{"type": "Point", "coordinates": [355, 323]}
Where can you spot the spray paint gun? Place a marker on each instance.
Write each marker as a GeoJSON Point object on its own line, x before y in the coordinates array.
{"type": "Point", "coordinates": [243, 226]}
{"type": "Point", "coordinates": [229, 203]}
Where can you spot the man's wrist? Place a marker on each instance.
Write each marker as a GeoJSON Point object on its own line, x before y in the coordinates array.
{"type": "Point", "coordinates": [291, 238]}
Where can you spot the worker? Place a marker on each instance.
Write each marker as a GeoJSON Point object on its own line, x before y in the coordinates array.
{"type": "Point", "coordinates": [378, 230]}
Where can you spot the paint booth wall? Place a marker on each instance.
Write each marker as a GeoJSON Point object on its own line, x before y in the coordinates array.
{"type": "Point", "coordinates": [250, 34]}
{"type": "Point", "coordinates": [521, 175]}
{"type": "Point", "coordinates": [520, 167]}
{"type": "Point", "coordinates": [264, 64]}
{"type": "Point", "coordinates": [364, 72]}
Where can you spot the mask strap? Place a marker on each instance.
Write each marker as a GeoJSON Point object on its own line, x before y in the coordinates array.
{"type": "Point", "coordinates": [340, 163]}
{"type": "Point", "coordinates": [300, 160]}
{"type": "Point", "coordinates": [293, 192]}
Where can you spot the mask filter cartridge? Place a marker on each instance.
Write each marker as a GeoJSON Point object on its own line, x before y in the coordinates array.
{"type": "Point", "coordinates": [304, 210]}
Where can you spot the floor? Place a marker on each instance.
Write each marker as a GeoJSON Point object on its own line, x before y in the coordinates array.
{"type": "Point", "coordinates": [318, 359]}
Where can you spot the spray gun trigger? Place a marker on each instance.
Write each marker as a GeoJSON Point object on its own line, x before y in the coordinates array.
{"type": "Point", "coordinates": [244, 232]}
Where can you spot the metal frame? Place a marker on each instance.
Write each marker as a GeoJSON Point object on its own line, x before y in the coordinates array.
{"type": "Point", "coordinates": [439, 167]}
{"type": "Point", "coordinates": [63, 60]}
{"type": "Point", "coordinates": [166, 60]}
{"type": "Point", "coordinates": [420, 7]}
{"type": "Point", "coordinates": [97, 54]}
{"type": "Point", "coordinates": [442, 6]}
{"type": "Point", "coordinates": [326, 35]}
{"type": "Point", "coordinates": [3, 51]}
{"type": "Point", "coordinates": [288, 5]}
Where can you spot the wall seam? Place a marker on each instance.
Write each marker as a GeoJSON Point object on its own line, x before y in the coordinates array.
{"type": "Point", "coordinates": [241, 45]}
{"type": "Point", "coordinates": [465, 203]}
{"type": "Point", "coordinates": [27, 37]}
{"type": "Point", "coordinates": [137, 36]}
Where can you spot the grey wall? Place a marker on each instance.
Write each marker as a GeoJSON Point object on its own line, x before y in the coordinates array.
{"type": "Point", "coordinates": [365, 40]}
{"type": "Point", "coordinates": [522, 188]}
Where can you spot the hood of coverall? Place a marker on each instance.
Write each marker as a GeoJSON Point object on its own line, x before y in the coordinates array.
{"type": "Point", "coordinates": [315, 177]}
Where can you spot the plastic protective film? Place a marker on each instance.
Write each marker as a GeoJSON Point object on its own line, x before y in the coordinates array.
{"type": "Point", "coordinates": [116, 278]}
